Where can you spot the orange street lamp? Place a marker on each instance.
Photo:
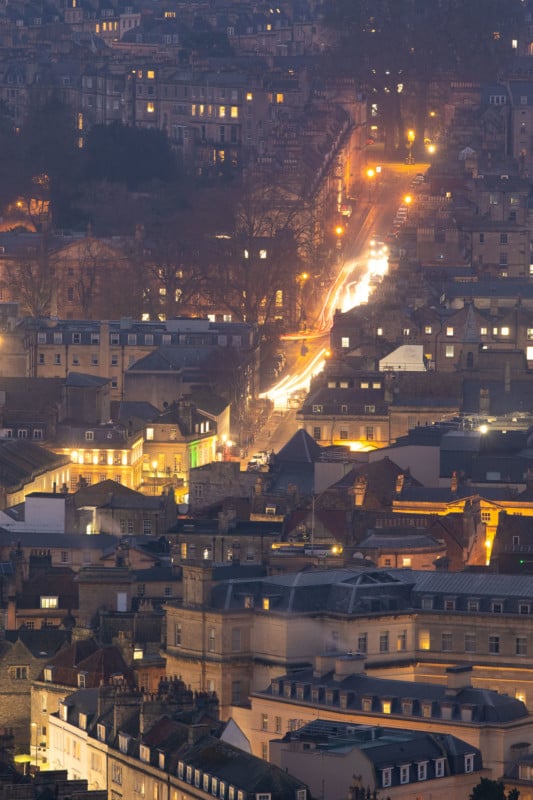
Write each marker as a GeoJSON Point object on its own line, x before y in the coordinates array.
{"type": "Point", "coordinates": [407, 199]}
{"type": "Point", "coordinates": [411, 136]}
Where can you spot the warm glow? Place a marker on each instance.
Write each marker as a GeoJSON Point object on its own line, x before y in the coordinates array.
{"type": "Point", "coordinates": [411, 135]}
{"type": "Point", "coordinates": [339, 230]}
{"type": "Point", "coordinates": [407, 199]}
{"type": "Point", "coordinates": [370, 172]}
{"type": "Point", "coordinates": [431, 149]}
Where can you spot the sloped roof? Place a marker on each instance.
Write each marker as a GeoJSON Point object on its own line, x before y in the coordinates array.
{"type": "Point", "coordinates": [22, 460]}
{"type": "Point", "coordinates": [300, 449]}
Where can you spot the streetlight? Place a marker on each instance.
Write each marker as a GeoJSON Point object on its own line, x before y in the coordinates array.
{"type": "Point", "coordinates": [154, 468]}
{"type": "Point", "coordinates": [410, 139]}
{"type": "Point", "coordinates": [301, 281]}
{"type": "Point", "coordinates": [370, 174]}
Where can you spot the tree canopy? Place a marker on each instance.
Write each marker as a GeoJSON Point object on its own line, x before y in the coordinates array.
{"type": "Point", "coordinates": [487, 789]}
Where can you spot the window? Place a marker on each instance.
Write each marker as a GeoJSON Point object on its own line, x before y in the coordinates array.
{"type": "Point", "coordinates": [439, 768]}
{"type": "Point", "coordinates": [318, 409]}
{"type": "Point", "coordinates": [494, 644]}
{"type": "Point", "coordinates": [370, 409]}
{"type": "Point", "coordinates": [369, 433]}
{"type": "Point", "coordinates": [447, 642]}
{"type": "Point", "coordinates": [521, 646]}
{"type": "Point", "coordinates": [449, 351]}
{"type": "Point", "coordinates": [49, 602]}
{"type": "Point", "coordinates": [236, 691]}
{"type": "Point", "coordinates": [503, 238]}
{"type": "Point", "coordinates": [116, 773]}
{"type": "Point", "coordinates": [449, 331]}
{"type": "Point", "coordinates": [345, 341]}
{"type": "Point", "coordinates": [384, 642]}
{"type": "Point", "coordinates": [211, 640]}
{"type": "Point", "coordinates": [523, 608]}
{"type": "Point", "coordinates": [277, 724]}
{"type": "Point", "coordinates": [428, 329]}
{"type": "Point", "coordinates": [264, 722]}
{"type": "Point", "coordinates": [317, 433]}
{"type": "Point", "coordinates": [19, 673]}
{"type": "Point", "coordinates": [402, 641]}
{"type": "Point", "coordinates": [386, 777]}
{"type": "Point", "coordinates": [469, 762]}
{"type": "Point", "coordinates": [497, 607]}
{"type": "Point", "coordinates": [89, 436]}
{"type": "Point", "coordinates": [362, 643]}
{"type": "Point", "coordinates": [177, 634]}
{"type": "Point", "coordinates": [147, 527]}
{"type": "Point", "coordinates": [470, 642]}
{"type": "Point", "coordinates": [404, 773]}
{"type": "Point", "coordinates": [504, 330]}
{"type": "Point", "coordinates": [235, 640]}
{"type": "Point", "coordinates": [473, 605]}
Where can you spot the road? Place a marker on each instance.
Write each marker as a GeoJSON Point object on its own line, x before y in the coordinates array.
{"type": "Point", "coordinates": [351, 285]}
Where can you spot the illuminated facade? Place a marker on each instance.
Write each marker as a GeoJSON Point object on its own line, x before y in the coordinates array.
{"type": "Point", "coordinates": [101, 452]}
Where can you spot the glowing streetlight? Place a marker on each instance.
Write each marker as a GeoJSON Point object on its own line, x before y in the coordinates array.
{"type": "Point", "coordinates": [431, 148]}
{"type": "Point", "coordinates": [411, 136]}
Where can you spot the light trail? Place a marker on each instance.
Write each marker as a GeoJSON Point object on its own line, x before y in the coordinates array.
{"type": "Point", "coordinates": [348, 290]}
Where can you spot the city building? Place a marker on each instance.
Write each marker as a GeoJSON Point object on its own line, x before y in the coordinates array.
{"type": "Point", "coordinates": [363, 759]}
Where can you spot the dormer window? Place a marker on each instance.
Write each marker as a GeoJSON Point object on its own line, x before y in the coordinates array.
{"type": "Point", "coordinates": [89, 436]}
{"type": "Point", "coordinates": [144, 753]}
{"type": "Point", "coordinates": [49, 601]}
{"type": "Point", "coordinates": [161, 760]}
{"type": "Point", "coordinates": [82, 680]}
{"type": "Point", "coordinates": [83, 721]}
{"type": "Point", "coordinates": [48, 674]}
{"type": "Point", "coordinates": [100, 732]}
{"type": "Point", "coordinates": [123, 741]}
{"type": "Point", "coordinates": [63, 711]}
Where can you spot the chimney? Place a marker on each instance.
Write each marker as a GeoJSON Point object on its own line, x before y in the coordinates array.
{"type": "Point", "coordinates": [324, 663]}
{"type": "Point", "coordinates": [458, 678]}
{"type": "Point", "coordinates": [349, 664]}
{"type": "Point", "coordinates": [127, 703]}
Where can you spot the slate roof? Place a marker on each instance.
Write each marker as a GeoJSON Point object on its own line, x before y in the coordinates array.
{"type": "Point", "coordinates": [487, 706]}
{"type": "Point", "coordinates": [42, 643]}
{"type": "Point", "coordinates": [300, 449]}
{"type": "Point", "coordinates": [383, 746]}
{"type": "Point", "coordinates": [83, 381]}
{"type": "Point", "coordinates": [237, 768]}
{"type": "Point", "coordinates": [21, 461]}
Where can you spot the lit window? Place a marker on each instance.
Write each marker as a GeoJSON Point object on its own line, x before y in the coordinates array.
{"type": "Point", "coordinates": [234, 112]}
{"type": "Point", "coordinates": [345, 341]}
{"type": "Point", "coordinates": [280, 97]}
{"type": "Point", "coordinates": [450, 351]}
{"type": "Point", "coordinates": [504, 331]}
{"type": "Point", "coordinates": [449, 331]}
{"type": "Point", "coordinates": [249, 96]}
{"type": "Point", "coordinates": [222, 112]}
{"type": "Point", "coordinates": [427, 329]}
{"type": "Point", "coordinates": [150, 107]}
{"type": "Point", "coordinates": [150, 74]}
{"type": "Point", "coordinates": [49, 602]}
